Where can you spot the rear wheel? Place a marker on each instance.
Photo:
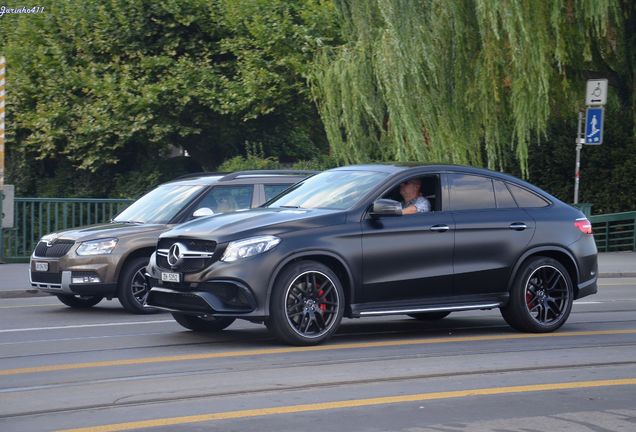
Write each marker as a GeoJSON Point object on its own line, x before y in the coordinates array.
{"type": "Point", "coordinates": [541, 297]}
{"type": "Point", "coordinates": [429, 316]}
{"type": "Point", "coordinates": [133, 289]}
{"type": "Point", "coordinates": [307, 304]}
{"type": "Point", "coordinates": [79, 302]}
{"type": "Point", "coordinates": [202, 324]}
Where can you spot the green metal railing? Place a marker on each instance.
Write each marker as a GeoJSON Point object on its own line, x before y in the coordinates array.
{"type": "Point", "coordinates": [35, 217]}
{"type": "Point", "coordinates": [614, 231]}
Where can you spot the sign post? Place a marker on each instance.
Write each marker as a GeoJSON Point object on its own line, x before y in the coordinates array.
{"type": "Point", "coordinates": [595, 99]}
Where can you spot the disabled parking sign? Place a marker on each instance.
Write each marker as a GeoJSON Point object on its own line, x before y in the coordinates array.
{"type": "Point", "coordinates": [594, 125]}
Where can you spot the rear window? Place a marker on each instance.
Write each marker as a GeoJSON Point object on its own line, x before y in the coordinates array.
{"type": "Point", "coordinates": [271, 190]}
{"type": "Point", "coordinates": [525, 198]}
{"type": "Point", "coordinates": [469, 192]}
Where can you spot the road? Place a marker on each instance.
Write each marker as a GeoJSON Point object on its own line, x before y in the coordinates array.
{"type": "Point", "coordinates": [65, 369]}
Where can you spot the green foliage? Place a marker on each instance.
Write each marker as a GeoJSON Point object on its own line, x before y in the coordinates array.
{"type": "Point", "coordinates": [463, 81]}
{"type": "Point", "coordinates": [104, 87]}
{"type": "Point", "coordinates": [253, 160]}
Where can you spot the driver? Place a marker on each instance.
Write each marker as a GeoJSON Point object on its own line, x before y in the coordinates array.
{"type": "Point", "coordinates": [413, 201]}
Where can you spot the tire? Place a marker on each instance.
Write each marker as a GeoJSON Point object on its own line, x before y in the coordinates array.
{"type": "Point", "coordinates": [541, 296]}
{"type": "Point", "coordinates": [132, 288]}
{"type": "Point", "coordinates": [198, 324]}
{"type": "Point", "coordinates": [79, 302]}
{"type": "Point", "coordinates": [307, 304]}
{"type": "Point", "coordinates": [429, 316]}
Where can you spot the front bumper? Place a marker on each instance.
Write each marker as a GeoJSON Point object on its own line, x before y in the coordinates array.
{"type": "Point", "coordinates": [237, 289]}
{"type": "Point", "coordinates": [62, 278]}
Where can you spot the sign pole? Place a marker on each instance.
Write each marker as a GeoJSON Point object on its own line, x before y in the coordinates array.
{"type": "Point", "coordinates": [2, 94]}
{"type": "Point", "coordinates": [579, 146]}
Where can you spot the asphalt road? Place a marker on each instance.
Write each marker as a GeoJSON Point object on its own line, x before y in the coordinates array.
{"type": "Point", "coordinates": [67, 369]}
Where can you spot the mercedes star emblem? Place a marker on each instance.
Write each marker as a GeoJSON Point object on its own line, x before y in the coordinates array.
{"type": "Point", "coordinates": [175, 254]}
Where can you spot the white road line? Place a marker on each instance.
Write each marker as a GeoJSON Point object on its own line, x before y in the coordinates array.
{"type": "Point", "coordinates": [86, 326]}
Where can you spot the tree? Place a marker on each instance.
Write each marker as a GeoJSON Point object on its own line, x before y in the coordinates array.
{"type": "Point", "coordinates": [467, 81]}
{"type": "Point", "coordinates": [108, 89]}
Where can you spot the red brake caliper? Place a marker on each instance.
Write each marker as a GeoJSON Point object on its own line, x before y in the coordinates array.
{"type": "Point", "coordinates": [529, 299]}
{"type": "Point", "coordinates": [322, 306]}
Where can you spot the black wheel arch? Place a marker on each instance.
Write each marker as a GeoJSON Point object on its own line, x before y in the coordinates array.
{"type": "Point", "coordinates": [562, 255]}
{"type": "Point", "coordinates": [141, 252]}
{"type": "Point", "coordinates": [332, 260]}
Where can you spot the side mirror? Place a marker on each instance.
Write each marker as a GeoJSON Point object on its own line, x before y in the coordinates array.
{"type": "Point", "coordinates": [203, 211]}
{"type": "Point", "coordinates": [386, 207]}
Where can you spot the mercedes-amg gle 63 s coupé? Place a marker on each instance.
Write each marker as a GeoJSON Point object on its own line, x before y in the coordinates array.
{"type": "Point", "coordinates": [340, 244]}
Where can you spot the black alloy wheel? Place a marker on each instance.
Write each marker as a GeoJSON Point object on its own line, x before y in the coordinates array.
{"type": "Point", "coordinates": [202, 324]}
{"type": "Point", "coordinates": [133, 287]}
{"type": "Point", "coordinates": [79, 302]}
{"type": "Point", "coordinates": [541, 298]}
{"type": "Point", "coordinates": [307, 304]}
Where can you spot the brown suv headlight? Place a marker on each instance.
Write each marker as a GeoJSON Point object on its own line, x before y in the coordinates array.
{"type": "Point", "coordinates": [97, 247]}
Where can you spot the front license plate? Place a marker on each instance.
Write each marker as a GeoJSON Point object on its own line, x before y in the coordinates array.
{"type": "Point", "coordinates": [41, 266]}
{"type": "Point", "coordinates": [170, 277]}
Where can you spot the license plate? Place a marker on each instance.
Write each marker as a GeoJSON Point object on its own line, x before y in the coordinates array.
{"type": "Point", "coordinates": [41, 266]}
{"type": "Point", "coordinates": [170, 277]}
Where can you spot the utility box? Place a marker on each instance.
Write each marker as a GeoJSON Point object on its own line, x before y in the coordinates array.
{"type": "Point", "coordinates": [7, 197]}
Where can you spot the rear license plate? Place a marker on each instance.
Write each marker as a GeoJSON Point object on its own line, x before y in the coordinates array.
{"type": "Point", "coordinates": [170, 277]}
{"type": "Point", "coordinates": [41, 266]}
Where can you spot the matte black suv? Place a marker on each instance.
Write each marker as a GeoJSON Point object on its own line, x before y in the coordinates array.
{"type": "Point", "coordinates": [83, 265]}
{"type": "Point", "coordinates": [337, 244]}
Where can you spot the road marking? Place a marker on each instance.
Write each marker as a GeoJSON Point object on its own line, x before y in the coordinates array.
{"type": "Point", "coordinates": [27, 306]}
{"type": "Point", "coordinates": [86, 326]}
{"type": "Point", "coordinates": [273, 351]}
{"type": "Point", "coordinates": [355, 403]}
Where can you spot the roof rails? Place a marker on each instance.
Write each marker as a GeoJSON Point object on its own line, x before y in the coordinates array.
{"type": "Point", "coordinates": [199, 174]}
{"type": "Point", "coordinates": [254, 173]}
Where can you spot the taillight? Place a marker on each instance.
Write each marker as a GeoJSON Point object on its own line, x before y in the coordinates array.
{"type": "Point", "coordinates": [584, 225]}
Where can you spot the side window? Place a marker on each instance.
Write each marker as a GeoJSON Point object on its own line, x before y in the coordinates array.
{"type": "Point", "coordinates": [222, 199]}
{"type": "Point", "coordinates": [428, 187]}
{"type": "Point", "coordinates": [271, 190]}
{"type": "Point", "coordinates": [503, 196]}
{"type": "Point", "coordinates": [525, 198]}
{"type": "Point", "coordinates": [471, 192]}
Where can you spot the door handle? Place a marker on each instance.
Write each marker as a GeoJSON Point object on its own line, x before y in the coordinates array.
{"type": "Point", "coordinates": [440, 228]}
{"type": "Point", "coordinates": [518, 226]}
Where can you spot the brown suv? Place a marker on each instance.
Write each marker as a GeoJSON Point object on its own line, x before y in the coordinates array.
{"type": "Point", "coordinates": [83, 265]}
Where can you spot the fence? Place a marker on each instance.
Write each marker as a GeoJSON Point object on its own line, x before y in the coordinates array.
{"type": "Point", "coordinates": [35, 217]}
{"type": "Point", "coordinates": [614, 231]}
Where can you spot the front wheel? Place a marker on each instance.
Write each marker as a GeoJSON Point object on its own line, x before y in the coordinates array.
{"type": "Point", "coordinates": [541, 296]}
{"type": "Point", "coordinates": [201, 324]}
{"type": "Point", "coordinates": [133, 289]}
{"type": "Point", "coordinates": [307, 304]}
{"type": "Point", "coordinates": [79, 302]}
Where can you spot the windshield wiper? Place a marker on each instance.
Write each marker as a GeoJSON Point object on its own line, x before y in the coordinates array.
{"type": "Point", "coordinates": [293, 207]}
{"type": "Point", "coordinates": [126, 222]}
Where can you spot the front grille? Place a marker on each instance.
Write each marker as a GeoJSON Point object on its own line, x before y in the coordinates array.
{"type": "Point", "coordinates": [58, 249]}
{"type": "Point", "coordinates": [191, 244]}
{"type": "Point", "coordinates": [187, 265]}
{"type": "Point", "coordinates": [181, 301]}
{"type": "Point", "coordinates": [48, 278]}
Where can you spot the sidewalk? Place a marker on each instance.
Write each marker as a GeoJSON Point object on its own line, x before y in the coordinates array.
{"type": "Point", "coordinates": [14, 278]}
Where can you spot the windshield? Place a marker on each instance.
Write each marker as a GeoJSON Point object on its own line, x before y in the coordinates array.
{"type": "Point", "coordinates": [159, 205]}
{"type": "Point", "coordinates": [331, 189]}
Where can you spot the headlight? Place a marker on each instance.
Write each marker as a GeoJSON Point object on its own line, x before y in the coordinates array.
{"type": "Point", "coordinates": [97, 247]}
{"type": "Point", "coordinates": [249, 247]}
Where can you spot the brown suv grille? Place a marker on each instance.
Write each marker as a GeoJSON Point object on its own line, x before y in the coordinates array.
{"type": "Point", "coordinates": [56, 250]}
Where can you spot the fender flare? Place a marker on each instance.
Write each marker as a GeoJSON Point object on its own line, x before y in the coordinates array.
{"type": "Point", "coordinates": [537, 251]}
{"type": "Point", "coordinates": [299, 255]}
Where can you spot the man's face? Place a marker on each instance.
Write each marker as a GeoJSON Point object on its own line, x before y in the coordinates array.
{"type": "Point", "coordinates": [410, 189]}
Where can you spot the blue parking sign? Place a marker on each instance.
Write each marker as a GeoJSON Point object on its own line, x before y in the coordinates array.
{"type": "Point", "coordinates": [594, 125]}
